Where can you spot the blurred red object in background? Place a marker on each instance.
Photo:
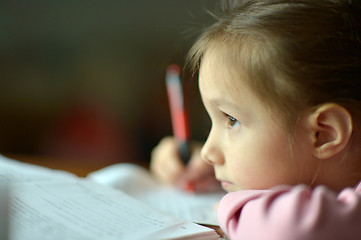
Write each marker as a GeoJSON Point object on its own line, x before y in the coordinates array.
{"type": "Point", "coordinates": [88, 131]}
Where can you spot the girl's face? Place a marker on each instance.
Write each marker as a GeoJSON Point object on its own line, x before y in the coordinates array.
{"type": "Point", "coordinates": [247, 145]}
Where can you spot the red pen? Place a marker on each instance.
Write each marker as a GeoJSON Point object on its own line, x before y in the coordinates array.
{"type": "Point", "coordinates": [178, 111]}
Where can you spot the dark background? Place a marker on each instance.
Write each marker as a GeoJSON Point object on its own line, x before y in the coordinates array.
{"type": "Point", "coordinates": [84, 80]}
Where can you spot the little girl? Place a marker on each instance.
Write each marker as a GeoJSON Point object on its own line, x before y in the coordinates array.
{"type": "Point", "coordinates": [281, 82]}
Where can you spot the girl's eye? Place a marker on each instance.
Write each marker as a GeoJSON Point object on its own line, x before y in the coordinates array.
{"type": "Point", "coordinates": [232, 122]}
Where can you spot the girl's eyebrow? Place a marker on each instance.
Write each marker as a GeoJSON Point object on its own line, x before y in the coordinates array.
{"type": "Point", "coordinates": [223, 102]}
{"type": "Point", "coordinates": [216, 102]}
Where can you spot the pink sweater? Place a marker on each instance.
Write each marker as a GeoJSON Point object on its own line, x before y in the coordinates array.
{"type": "Point", "coordinates": [292, 213]}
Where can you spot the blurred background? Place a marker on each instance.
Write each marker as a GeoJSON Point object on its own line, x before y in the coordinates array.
{"type": "Point", "coordinates": [84, 80]}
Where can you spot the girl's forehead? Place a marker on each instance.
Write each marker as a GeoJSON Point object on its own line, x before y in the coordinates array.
{"type": "Point", "coordinates": [220, 70]}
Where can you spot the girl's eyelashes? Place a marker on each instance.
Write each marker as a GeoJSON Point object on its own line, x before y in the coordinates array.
{"type": "Point", "coordinates": [232, 122]}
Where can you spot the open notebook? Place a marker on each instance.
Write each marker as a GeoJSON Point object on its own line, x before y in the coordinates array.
{"type": "Point", "coordinates": [52, 204]}
{"type": "Point", "coordinates": [138, 183]}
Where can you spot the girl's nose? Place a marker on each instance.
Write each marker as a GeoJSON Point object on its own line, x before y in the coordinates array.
{"type": "Point", "coordinates": [211, 152]}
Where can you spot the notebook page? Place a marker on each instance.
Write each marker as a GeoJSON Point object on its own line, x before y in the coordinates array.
{"type": "Point", "coordinates": [138, 183]}
{"type": "Point", "coordinates": [4, 197]}
{"type": "Point", "coordinates": [15, 171]}
{"type": "Point", "coordinates": [86, 210]}
{"type": "Point", "coordinates": [51, 204]}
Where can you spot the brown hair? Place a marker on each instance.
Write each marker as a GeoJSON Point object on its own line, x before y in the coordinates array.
{"type": "Point", "coordinates": [297, 53]}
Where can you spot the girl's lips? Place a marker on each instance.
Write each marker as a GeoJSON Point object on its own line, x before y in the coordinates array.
{"type": "Point", "coordinates": [225, 184]}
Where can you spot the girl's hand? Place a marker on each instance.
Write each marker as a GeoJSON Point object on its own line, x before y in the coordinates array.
{"type": "Point", "coordinates": [166, 165]}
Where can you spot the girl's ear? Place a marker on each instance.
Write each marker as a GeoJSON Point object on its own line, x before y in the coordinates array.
{"type": "Point", "coordinates": [331, 127]}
